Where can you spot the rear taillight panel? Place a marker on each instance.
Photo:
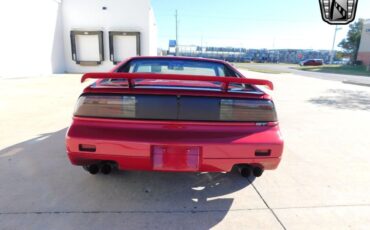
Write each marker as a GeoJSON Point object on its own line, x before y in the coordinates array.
{"type": "Point", "coordinates": [168, 107]}
{"type": "Point", "coordinates": [101, 106]}
{"type": "Point", "coordinates": [247, 110]}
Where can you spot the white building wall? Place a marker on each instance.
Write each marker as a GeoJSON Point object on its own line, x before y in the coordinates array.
{"type": "Point", "coordinates": [31, 41]}
{"type": "Point", "coordinates": [120, 15]}
{"type": "Point", "coordinates": [153, 34]}
{"type": "Point", "coordinates": [365, 38]}
{"type": "Point", "coordinates": [35, 34]}
{"type": "Point", "coordinates": [364, 49]}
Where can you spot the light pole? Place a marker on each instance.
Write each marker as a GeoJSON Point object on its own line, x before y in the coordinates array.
{"type": "Point", "coordinates": [332, 48]}
{"type": "Point", "coordinates": [177, 39]}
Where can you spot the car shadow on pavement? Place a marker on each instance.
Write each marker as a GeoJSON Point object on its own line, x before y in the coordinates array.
{"type": "Point", "coordinates": [344, 99]}
{"type": "Point", "coordinates": [37, 178]}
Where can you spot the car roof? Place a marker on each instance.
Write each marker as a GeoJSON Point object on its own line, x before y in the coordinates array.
{"type": "Point", "coordinates": [119, 65]}
{"type": "Point", "coordinates": [178, 58]}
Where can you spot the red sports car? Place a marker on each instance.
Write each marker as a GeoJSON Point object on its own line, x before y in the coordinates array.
{"type": "Point", "coordinates": [312, 62]}
{"type": "Point", "coordinates": [175, 114]}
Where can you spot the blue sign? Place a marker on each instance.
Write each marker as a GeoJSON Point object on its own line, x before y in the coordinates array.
{"type": "Point", "coordinates": [172, 43]}
{"type": "Point", "coordinates": [367, 30]}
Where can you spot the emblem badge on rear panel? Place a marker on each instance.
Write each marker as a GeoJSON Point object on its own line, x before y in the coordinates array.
{"type": "Point", "coordinates": [338, 12]}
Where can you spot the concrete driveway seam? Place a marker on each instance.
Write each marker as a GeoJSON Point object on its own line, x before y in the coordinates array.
{"type": "Point", "coordinates": [265, 202]}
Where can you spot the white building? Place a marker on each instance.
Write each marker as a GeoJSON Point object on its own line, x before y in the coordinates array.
{"type": "Point", "coordinates": [364, 50]}
{"type": "Point", "coordinates": [37, 36]}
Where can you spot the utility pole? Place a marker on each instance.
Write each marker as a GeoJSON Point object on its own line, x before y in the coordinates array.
{"type": "Point", "coordinates": [177, 33]}
{"type": "Point", "coordinates": [332, 48]}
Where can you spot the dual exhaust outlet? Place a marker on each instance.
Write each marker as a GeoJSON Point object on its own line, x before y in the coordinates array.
{"type": "Point", "coordinates": [105, 168]}
{"type": "Point", "coordinates": [248, 170]}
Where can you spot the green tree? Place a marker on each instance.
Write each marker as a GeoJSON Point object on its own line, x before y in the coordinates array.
{"type": "Point", "coordinates": [339, 55]}
{"type": "Point", "coordinates": [351, 43]}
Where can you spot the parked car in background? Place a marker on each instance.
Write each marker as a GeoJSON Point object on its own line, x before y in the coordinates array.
{"type": "Point", "coordinates": [312, 62]}
{"type": "Point", "coordinates": [175, 114]}
{"type": "Point", "coordinates": [247, 60]}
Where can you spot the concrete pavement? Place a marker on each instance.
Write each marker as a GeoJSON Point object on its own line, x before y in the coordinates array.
{"type": "Point", "coordinates": [290, 68]}
{"type": "Point", "coordinates": [322, 183]}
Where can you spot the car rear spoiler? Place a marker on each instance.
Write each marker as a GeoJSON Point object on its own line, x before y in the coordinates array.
{"type": "Point", "coordinates": [130, 77]}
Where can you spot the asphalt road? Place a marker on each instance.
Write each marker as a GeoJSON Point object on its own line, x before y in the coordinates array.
{"type": "Point", "coordinates": [325, 76]}
{"type": "Point", "coordinates": [323, 181]}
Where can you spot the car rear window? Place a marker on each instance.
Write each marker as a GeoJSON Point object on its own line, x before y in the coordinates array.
{"type": "Point", "coordinates": [184, 67]}
{"type": "Point", "coordinates": [181, 67]}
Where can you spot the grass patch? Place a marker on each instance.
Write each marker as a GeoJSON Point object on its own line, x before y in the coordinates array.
{"type": "Point", "coordinates": [338, 69]}
{"type": "Point", "coordinates": [269, 71]}
{"type": "Point", "coordinates": [259, 68]}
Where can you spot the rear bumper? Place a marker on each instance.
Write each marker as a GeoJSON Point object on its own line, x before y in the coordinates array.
{"type": "Point", "coordinates": [131, 144]}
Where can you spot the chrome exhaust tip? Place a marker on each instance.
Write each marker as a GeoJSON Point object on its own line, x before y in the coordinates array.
{"type": "Point", "coordinates": [92, 169]}
{"type": "Point", "coordinates": [245, 171]}
{"type": "Point", "coordinates": [106, 169]}
{"type": "Point", "coordinates": [257, 171]}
